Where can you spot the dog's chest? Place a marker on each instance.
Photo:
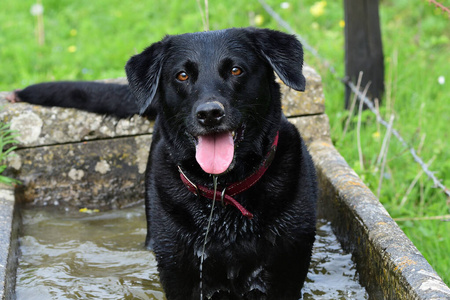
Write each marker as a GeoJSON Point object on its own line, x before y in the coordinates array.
{"type": "Point", "coordinates": [232, 239]}
{"type": "Point", "coordinates": [234, 257]}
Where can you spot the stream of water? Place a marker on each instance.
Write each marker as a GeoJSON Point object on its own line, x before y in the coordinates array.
{"type": "Point", "coordinates": [67, 255]}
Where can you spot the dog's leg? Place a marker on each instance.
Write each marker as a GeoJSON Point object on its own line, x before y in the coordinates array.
{"type": "Point", "coordinates": [102, 98]}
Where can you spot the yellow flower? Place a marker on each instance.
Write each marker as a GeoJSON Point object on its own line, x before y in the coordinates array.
{"type": "Point", "coordinates": [259, 20]}
{"type": "Point", "coordinates": [342, 23]}
{"type": "Point", "coordinates": [376, 135]}
{"type": "Point", "coordinates": [88, 211]}
{"type": "Point", "coordinates": [318, 8]}
{"type": "Point", "coordinates": [72, 49]}
{"type": "Point", "coordinates": [73, 32]}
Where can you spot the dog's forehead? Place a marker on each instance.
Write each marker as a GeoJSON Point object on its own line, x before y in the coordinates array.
{"type": "Point", "coordinates": [210, 45]}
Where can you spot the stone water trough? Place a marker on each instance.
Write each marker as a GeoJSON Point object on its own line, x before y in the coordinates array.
{"type": "Point", "coordinates": [76, 159]}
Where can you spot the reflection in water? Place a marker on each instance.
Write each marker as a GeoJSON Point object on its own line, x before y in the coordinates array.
{"type": "Point", "coordinates": [102, 256]}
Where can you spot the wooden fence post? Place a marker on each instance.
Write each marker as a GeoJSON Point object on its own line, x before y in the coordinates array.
{"type": "Point", "coordinates": [363, 47]}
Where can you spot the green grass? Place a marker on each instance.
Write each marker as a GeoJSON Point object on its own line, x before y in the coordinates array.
{"type": "Point", "coordinates": [93, 40]}
{"type": "Point", "coordinates": [7, 146]}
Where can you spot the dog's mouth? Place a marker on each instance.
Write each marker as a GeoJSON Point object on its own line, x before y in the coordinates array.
{"type": "Point", "coordinates": [215, 151]}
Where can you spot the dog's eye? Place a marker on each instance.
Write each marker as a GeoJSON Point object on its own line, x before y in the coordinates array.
{"type": "Point", "coordinates": [182, 76]}
{"type": "Point", "coordinates": [235, 71]}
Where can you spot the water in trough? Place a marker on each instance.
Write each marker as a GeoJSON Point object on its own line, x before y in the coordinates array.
{"type": "Point", "coordinates": [67, 255]}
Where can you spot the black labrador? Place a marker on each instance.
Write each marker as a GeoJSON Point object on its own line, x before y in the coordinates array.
{"type": "Point", "coordinates": [218, 116]}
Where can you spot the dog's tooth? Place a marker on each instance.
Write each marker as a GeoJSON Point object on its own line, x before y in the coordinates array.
{"type": "Point", "coordinates": [233, 133]}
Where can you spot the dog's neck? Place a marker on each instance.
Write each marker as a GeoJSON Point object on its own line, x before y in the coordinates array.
{"type": "Point", "coordinates": [226, 194]}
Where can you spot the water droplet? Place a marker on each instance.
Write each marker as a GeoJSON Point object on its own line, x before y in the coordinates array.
{"type": "Point", "coordinates": [202, 256]}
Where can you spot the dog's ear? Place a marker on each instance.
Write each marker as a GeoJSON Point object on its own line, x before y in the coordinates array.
{"type": "Point", "coordinates": [283, 52]}
{"type": "Point", "coordinates": [143, 73]}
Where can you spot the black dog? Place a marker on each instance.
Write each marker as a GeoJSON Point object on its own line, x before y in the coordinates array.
{"type": "Point", "coordinates": [218, 114]}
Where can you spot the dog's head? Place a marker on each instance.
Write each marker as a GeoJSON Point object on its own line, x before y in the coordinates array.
{"type": "Point", "coordinates": [217, 89]}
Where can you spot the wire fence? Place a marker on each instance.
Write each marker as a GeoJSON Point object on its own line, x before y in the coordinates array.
{"type": "Point", "coordinates": [361, 94]}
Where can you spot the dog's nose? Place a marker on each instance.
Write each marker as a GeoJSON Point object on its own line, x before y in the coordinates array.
{"type": "Point", "coordinates": [210, 113]}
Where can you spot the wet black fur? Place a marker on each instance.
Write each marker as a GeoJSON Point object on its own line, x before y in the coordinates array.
{"type": "Point", "coordinates": [102, 98]}
{"type": "Point", "coordinates": [263, 258]}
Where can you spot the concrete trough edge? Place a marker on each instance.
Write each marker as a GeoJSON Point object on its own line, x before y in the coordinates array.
{"type": "Point", "coordinates": [389, 265]}
{"type": "Point", "coordinates": [9, 244]}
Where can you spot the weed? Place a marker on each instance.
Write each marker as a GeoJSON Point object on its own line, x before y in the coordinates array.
{"type": "Point", "coordinates": [7, 146]}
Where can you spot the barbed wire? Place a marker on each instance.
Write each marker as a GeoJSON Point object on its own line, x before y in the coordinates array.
{"type": "Point", "coordinates": [417, 158]}
{"type": "Point", "coordinates": [360, 95]}
{"type": "Point", "coordinates": [439, 5]}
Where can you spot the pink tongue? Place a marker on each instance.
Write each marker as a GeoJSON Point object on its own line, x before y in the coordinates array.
{"type": "Point", "coordinates": [215, 152]}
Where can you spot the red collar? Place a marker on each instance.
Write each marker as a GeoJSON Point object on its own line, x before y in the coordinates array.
{"type": "Point", "coordinates": [226, 196]}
